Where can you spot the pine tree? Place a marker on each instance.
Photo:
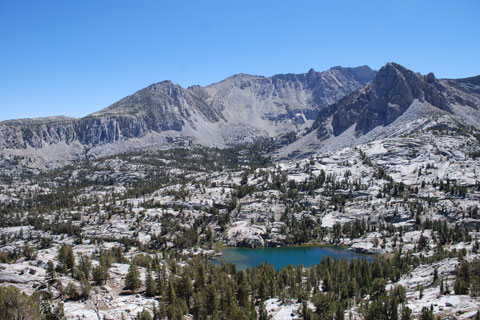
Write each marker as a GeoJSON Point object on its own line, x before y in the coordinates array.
{"type": "Point", "coordinates": [151, 286]}
{"type": "Point", "coordinates": [70, 259]}
{"type": "Point", "coordinates": [263, 315]}
{"type": "Point", "coordinates": [16, 305]}
{"type": "Point", "coordinates": [84, 267]}
{"type": "Point", "coordinates": [160, 279]}
{"type": "Point", "coordinates": [171, 294]}
{"type": "Point", "coordinates": [199, 309]}
{"type": "Point", "coordinates": [85, 289]}
{"type": "Point", "coordinates": [156, 312]}
{"type": "Point", "coordinates": [144, 315]}
{"type": "Point", "coordinates": [212, 299]}
{"type": "Point", "coordinates": [323, 305]}
{"type": "Point", "coordinates": [176, 310]}
{"type": "Point", "coordinates": [100, 275]}
{"type": "Point", "coordinates": [339, 313]}
{"type": "Point", "coordinates": [72, 291]}
{"type": "Point", "coordinates": [427, 314]}
{"type": "Point", "coordinates": [53, 313]}
{"type": "Point", "coordinates": [406, 313]}
{"type": "Point", "coordinates": [51, 274]}
{"type": "Point", "coordinates": [132, 280]}
{"type": "Point", "coordinates": [460, 286]}
{"type": "Point", "coordinates": [162, 310]}
{"type": "Point", "coordinates": [186, 288]}
{"type": "Point", "coordinates": [420, 293]}
{"type": "Point", "coordinates": [66, 258]}
{"type": "Point", "coordinates": [242, 291]}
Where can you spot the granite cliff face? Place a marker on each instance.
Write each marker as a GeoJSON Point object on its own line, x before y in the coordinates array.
{"type": "Point", "coordinates": [390, 94]}
{"type": "Point", "coordinates": [238, 109]}
{"type": "Point", "coordinates": [396, 102]}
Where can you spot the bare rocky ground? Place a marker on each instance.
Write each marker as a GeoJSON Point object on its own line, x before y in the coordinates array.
{"type": "Point", "coordinates": [397, 187]}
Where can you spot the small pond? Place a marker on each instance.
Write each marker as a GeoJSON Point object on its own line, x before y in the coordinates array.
{"type": "Point", "coordinates": [278, 257]}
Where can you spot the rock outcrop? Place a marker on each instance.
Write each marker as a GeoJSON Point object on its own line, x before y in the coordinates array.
{"type": "Point", "coordinates": [389, 95]}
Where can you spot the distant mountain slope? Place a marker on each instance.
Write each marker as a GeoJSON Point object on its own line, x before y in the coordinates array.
{"type": "Point", "coordinates": [396, 102]}
{"type": "Point", "coordinates": [238, 109]}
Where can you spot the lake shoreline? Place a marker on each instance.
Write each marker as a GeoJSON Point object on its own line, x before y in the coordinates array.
{"type": "Point", "coordinates": [306, 255]}
{"type": "Point", "coordinates": [306, 244]}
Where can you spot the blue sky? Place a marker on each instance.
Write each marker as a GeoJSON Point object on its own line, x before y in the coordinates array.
{"type": "Point", "coordinates": [76, 57]}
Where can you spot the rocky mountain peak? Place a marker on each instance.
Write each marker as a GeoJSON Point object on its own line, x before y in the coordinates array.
{"type": "Point", "coordinates": [389, 95]}
{"type": "Point", "coordinates": [400, 86]}
{"type": "Point", "coordinates": [150, 99]}
{"type": "Point", "coordinates": [163, 86]}
{"type": "Point", "coordinates": [362, 74]}
{"type": "Point", "coordinates": [240, 78]}
{"type": "Point", "coordinates": [430, 78]}
{"type": "Point", "coordinates": [311, 72]}
{"type": "Point", "coordinates": [395, 80]}
{"type": "Point", "coordinates": [167, 87]}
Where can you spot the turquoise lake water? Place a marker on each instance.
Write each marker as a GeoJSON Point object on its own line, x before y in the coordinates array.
{"type": "Point", "coordinates": [278, 257]}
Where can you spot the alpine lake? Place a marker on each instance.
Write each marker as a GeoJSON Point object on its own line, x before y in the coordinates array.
{"type": "Point", "coordinates": [279, 257]}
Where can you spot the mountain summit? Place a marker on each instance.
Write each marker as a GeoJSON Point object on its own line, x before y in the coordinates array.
{"type": "Point", "coordinates": [389, 95]}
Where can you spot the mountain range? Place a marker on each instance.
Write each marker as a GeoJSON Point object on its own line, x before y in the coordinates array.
{"type": "Point", "coordinates": [323, 110]}
{"type": "Point", "coordinates": [378, 162]}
